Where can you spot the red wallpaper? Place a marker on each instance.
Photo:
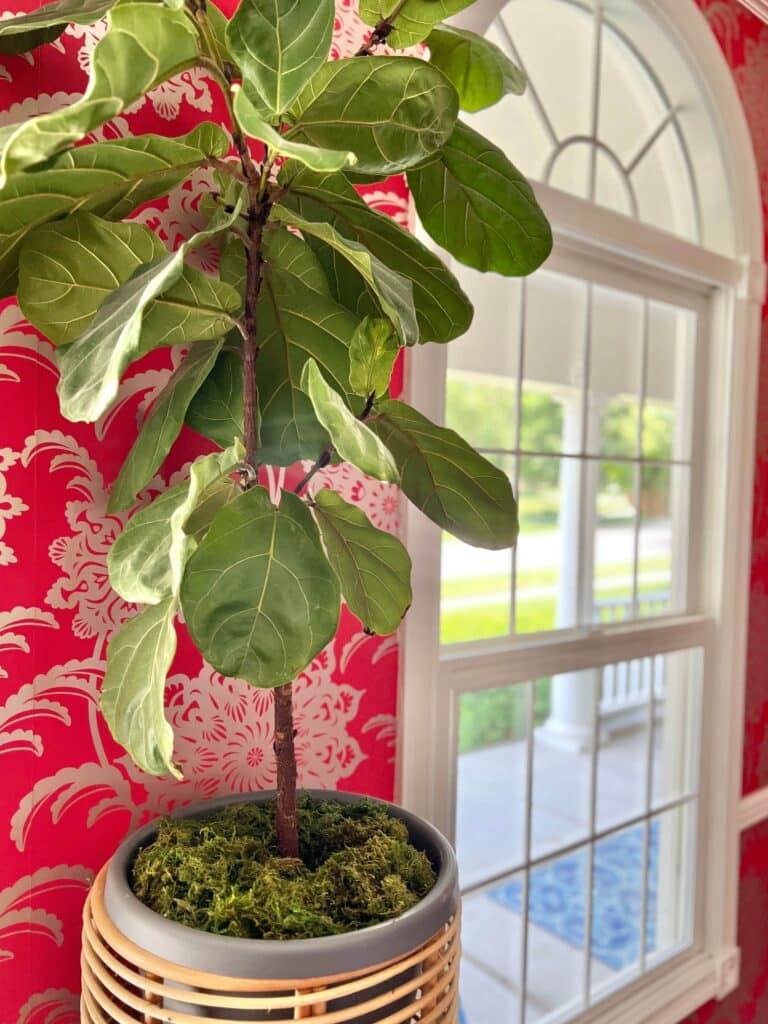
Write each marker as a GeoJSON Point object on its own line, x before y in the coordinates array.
{"type": "Point", "coordinates": [744, 40]}
{"type": "Point", "coordinates": [68, 793]}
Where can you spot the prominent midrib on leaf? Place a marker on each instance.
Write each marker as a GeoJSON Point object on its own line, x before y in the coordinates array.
{"type": "Point", "coordinates": [351, 546]}
{"type": "Point", "coordinates": [442, 284]}
{"type": "Point", "coordinates": [283, 353]}
{"type": "Point", "coordinates": [486, 494]}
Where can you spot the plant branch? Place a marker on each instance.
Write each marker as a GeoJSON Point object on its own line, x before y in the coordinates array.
{"type": "Point", "coordinates": [325, 457]}
{"type": "Point", "coordinates": [285, 753]}
{"type": "Point", "coordinates": [256, 180]}
{"type": "Point", "coordinates": [227, 167]}
{"type": "Point", "coordinates": [376, 38]}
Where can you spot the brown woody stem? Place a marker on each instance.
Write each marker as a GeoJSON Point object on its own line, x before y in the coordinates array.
{"type": "Point", "coordinates": [285, 753]}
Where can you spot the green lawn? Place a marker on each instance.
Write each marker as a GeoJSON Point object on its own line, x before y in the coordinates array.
{"type": "Point", "coordinates": [490, 618]}
{"type": "Point", "coordinates": [478, 586]}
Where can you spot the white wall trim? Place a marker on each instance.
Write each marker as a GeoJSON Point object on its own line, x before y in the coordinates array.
{"type": "Point", "coordinates": [753, 809]}
{"type": "Point", "coordinates": [758, 7]}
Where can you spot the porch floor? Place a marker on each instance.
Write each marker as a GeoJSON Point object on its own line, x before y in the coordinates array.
{"type": "Point", "coordinates": [490, 841]}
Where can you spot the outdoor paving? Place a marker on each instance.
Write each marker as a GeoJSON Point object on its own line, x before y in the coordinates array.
{"type": "Point", "coordinates": [490, 837]}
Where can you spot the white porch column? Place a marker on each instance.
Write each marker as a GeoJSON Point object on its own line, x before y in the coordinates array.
{"type": "Point", "coordinates": [572, 700]}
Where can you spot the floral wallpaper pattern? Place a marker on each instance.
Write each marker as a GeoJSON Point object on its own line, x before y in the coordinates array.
{"type": "Point", "coordinates": [68, 792]}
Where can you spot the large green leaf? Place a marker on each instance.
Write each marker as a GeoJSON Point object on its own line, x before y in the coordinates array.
{"type": "Point", "coordinates": [216, 411]}
{"type": "Point", "coordinates": [412, 19]}
{"type": "Point", "coordinates": [372, 354]}
{"type": "Point", "coordinates": [147, 560]}
{"type": "Point", "coordinates": [480, 71]}
{"type": "Point", "coordinates": [162, 425]}
{"type": "Point", "coordinates": [145, 44]}
{"type": "Point", "coordinates": [392, 112]}
{"type": "Point", "coordinates": [26, 31]}
{"type": "Point", "coordinates": [373, 567]}
{"type": "Point", "coordinates": [131, 321]}
{"type": "Point", "coordinates": [138, 661]}
{"type": "Point", "coordinates": [110, 179]}
{"type": "Point", "coordinates": [259, 597]}
{"type": "Point", "coordinates": [70, 268]}
{"type": "Point", "coordinates": [393, 292]}
{"type": "Point", "coordinates": [454, 486]}
{"type": "Point", "coordinates": [279, 45]}
{"type": "Point", "coordinates": [314, 157]}
{"type": "Point", "coordinates": [350, 437]}
{"type": "Point", "coordinates": [296, 322]}
{"type": "Point", "coordinates": [479, 207]}
{"type": "Point", "coordinates": [443, 311]}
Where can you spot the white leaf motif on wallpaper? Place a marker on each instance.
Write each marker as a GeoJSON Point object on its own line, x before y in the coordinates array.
{"type": "Point", "coordinates": [51, 698]}
{"type": "Point", "coordinates": [82, 554]}
{"type": "Point", "coordinates": [224, 729]}
{"type": "Point", "coordinates": [54, 1006]}
{"type": "Point", "coordinates": [18, 916]}
{"type": "Point", "coordinates": [191, 86]}
{"type": "Point", "coordinates": [17, 619]}
{"type": "Point", "coordinates": [148, 384]}
{"type": "Point", "coordinates": [10, 506]}
{"type": "Point", "coordinates": [393, 205]}
{"type": "Point", "coordinates": [45, 103]}
{"type": "Point", "coordinates": [104, 785]}
{"type": "Point", "coordinates": [176, 220]}
{"type": "Point", "coordinates": [384, 727]}
{"type": "Point", "coordinates": [380, 501]}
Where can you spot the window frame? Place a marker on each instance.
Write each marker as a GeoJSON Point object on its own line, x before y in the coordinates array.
{"type": "Point", "coordinates": [736, 287]}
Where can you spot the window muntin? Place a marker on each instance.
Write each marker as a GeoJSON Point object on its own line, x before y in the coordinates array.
{"type": "Point", "coordinates": [712, 441]}
{"type": "Point", "coordinates": [586, 844]}
{"type": "Point", "coordinates": [583, 392]}
{"type": "Point", "coordinates": [612, 114]}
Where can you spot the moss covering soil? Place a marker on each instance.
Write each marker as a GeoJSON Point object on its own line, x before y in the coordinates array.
{"type": "Point", "coordinates": [223, 873]}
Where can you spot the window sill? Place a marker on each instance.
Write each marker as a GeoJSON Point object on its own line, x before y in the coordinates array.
{"type": "Point", "coordinates": [673, 993]}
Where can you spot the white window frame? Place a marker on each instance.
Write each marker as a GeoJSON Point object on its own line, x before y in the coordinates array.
{"type": "Point", "coordinates": [427, 705]}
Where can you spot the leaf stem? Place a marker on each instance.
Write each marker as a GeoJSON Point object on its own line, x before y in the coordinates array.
{"type": "Point", "coordinates": [325, 457]}
{"type": "Point", "coordinates": [378, 35]}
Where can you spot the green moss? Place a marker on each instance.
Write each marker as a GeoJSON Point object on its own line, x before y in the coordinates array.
{"type": "Point", "coordinates": [223, 874]}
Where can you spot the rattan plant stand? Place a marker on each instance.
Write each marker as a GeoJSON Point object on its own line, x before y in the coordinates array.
{"type": "Point", "coordinates": [123, 984]}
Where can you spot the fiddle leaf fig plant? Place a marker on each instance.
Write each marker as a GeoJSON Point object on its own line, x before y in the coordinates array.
{"type": "Point", "coordinates": [289, 348]}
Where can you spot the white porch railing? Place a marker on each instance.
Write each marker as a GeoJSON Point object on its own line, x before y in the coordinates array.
{"type": "Point", "coordinates": [627, 685]}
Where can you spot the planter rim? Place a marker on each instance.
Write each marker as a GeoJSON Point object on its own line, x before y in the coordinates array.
{"type": "Point", "coordinates": [283, 958]}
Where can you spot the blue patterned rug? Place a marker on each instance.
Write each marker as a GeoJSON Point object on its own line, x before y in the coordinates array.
{"type": "Point", "coordinates": [557, 897]}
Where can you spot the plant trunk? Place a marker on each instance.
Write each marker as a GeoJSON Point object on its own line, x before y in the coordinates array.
{"type": "Point", "coordinates": [285, 753]}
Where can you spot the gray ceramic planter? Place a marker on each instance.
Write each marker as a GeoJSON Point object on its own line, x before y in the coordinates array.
{"type": "Point", "coordinates": [256, 959]}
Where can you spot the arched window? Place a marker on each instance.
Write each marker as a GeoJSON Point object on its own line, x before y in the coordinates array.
{"type": "Point", "coordinates": [589, 685]}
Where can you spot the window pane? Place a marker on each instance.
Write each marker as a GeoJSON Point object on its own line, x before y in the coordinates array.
{"type": "Point", "coordinates": [613, 530]}
{"type": "Point", "coordinates": [672, 860]}
{"type": "Point", "coordinates": [556, 935]}
{"type": "Point", "coordinates": [546, 582]}
{"type": "Point", "coordinates": [564, 712]}
{"type": "Point", "coordinates": [677, 725]}
{"type": "Point", "coordinates": [481, 385]}
{"type": "Point", "coordinates": [555, 324]}
{"type": "Point", "coordinates": [670, 377]}
{"type": "Point", "coordinates": [615, 372]}
{"type": "Point", "coordinates": [622, 764]}
{"type": "Point", "coordinates": [663, 540]}
{"type": "Point", "coordinates": [618, 881]}
{"type": "Point", "coordinates": [475, 585]}
{"type": "Point", "coordinates": [491, 788]}
{"type": "Point", "coordinates": [491, 939]}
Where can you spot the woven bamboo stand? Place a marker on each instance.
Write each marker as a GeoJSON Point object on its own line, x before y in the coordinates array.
{"type": "Point", "coordinates": [123, 983]}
